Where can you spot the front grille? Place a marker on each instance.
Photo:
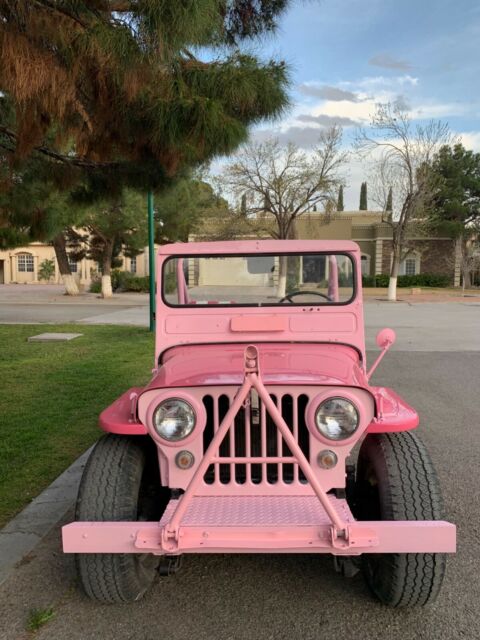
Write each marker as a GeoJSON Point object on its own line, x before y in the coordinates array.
{"type": "Point", "coordinates": [254, 434]}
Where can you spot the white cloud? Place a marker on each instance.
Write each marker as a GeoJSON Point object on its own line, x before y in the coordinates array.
{"type": "Point", "coordinates": [438, 110]}
{"type": "Point", "coordinates": [371, 83]}
{"type": "Point", "coordinates": [471, 140]}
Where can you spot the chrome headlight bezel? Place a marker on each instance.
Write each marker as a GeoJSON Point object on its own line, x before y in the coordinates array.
{"type": "Point", "coordinates": [186, 431]}
{"type": "Point", "coordinates": [344, 434]}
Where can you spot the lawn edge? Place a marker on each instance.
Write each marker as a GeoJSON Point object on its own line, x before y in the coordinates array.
{"type": "Point", "coordinates": [21, 535]}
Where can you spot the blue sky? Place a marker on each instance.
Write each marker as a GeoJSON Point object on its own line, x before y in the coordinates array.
{"type": "Point", "coordinates": [347, 55]}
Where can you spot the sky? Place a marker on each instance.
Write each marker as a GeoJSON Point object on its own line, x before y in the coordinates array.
{"type": "Point", "coordinates": [348, 55]}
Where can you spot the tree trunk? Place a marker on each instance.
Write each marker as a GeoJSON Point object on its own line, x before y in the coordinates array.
{"type": "Point", "coordinates": [392, 283]}
{"type": "Point", "coordinates": [282, 276]}
{"type": "Point", "coordinates": [59, 244]}
{"type": "Point", "coordinates": [107, 269]}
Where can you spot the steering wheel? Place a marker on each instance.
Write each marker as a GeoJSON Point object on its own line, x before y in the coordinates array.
{"type": "Point", "coordinates": [291, 295]}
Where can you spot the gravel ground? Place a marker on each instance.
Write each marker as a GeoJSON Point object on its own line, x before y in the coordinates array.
{"type": "Point", "coordinates": [285, 596]}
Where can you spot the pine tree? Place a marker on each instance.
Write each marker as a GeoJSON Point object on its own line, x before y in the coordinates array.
{"type": "Point", "coordinates": [340, 206]}
{"type": "Point", "coordinates": [114, 92]}
{"type": "Point", "coordinates": [363, 197]}
{"type": "Point", "coordinates": [389, 205]}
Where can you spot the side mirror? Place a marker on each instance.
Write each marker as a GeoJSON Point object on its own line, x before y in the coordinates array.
{"type": "Point", "coordinates": [385, 338]}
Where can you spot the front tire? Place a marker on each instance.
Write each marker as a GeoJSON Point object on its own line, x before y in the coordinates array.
{"type": "Point", "coordinates": [119, 483]}
{"type": "Point", "coordinates": [397, 481]}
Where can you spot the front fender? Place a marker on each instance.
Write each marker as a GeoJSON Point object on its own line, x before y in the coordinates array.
{"type": "Point", "coordinates": [121, 416]}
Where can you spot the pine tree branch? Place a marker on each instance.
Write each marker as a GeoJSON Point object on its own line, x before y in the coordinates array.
{"type": "Point", "coordinates": [74, 161]}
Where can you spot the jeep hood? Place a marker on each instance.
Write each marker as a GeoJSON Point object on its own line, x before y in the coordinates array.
{"type": "Point", "coordinates": [280, 364]}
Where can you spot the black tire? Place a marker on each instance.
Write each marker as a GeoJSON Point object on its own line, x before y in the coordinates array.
{"type": "Point", "coordinates": [119, 483]}
{"type": "Point", "coordinates": [397, 481]}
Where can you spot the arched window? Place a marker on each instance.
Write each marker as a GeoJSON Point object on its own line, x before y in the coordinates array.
{"type": "Point", "coordinates": [410, 265]}
{"type": "Point", "coordinates": [25, 263]}
{"type": "Point", "coordinates": [365, 263]}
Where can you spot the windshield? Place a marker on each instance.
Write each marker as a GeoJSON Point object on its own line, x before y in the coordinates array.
{"type": "Point", "coordinates": [259, 280]}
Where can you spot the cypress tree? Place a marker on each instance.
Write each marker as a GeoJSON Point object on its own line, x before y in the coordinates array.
{"type": "Point", "coordinates": [340, 206]}
{"type": "Point", "coordinates": [243, 205]}
{"type": "Point", "coordinates": [389, 205]}
{"type": "Point", "coordinates": [363, 197]}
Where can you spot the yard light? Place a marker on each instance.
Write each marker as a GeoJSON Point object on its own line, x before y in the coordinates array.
{"type": "Point", "coordinates": [174, 419]}
{"type": "Point", "coordinates": [337, 418]}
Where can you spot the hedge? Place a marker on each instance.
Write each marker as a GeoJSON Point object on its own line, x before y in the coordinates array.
{"type": "Point", "coordinates": [419, 280]}
{"type": "Point", "coordinates": [125, 281]}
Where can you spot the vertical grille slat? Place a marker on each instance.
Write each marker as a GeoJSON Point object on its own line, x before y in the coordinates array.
{"type": "Point", "coordinates": [254, 434]}
{"type": "Point", "coordinates": [224, 471]}
{"type": "Point", "coordinates": [295, 435]}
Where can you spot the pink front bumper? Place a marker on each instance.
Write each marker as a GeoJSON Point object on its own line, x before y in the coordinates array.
{"type": "Point", "coordinates": [262, 524]}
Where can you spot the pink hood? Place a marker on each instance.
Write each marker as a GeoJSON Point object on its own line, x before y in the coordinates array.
{"type": "Point", "coordinates": [286, 363]}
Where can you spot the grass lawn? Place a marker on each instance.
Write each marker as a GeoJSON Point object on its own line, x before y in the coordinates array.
{"type": "Point", "coordinates": [50, 398]}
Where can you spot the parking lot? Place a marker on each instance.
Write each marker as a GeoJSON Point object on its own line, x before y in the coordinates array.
{"type": "Point", "coordinates": [435, 365]}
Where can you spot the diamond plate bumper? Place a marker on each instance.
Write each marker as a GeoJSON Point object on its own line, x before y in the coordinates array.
{"type": "Point", "coordinates": [263, 524]}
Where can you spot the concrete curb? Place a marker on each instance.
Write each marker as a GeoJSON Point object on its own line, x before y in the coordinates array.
{"type": "Point", "coordinates": [26, 530]}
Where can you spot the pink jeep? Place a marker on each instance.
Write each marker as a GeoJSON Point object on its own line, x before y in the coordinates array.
{"type": "Point", "coordinates": [242, 441]}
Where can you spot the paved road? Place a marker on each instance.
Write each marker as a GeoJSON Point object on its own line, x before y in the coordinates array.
{"type": "Point", "coordinates": [27, 304]}
{"type": "Point", "coordinates": [436, 366]}
{"type": "Point", "coordinates": [419, 327]}
{"type": "Point", "coordinates": [265, 597]}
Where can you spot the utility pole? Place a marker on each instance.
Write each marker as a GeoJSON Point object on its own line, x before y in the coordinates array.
{"type": "Point", "coordinates": [151, 259]}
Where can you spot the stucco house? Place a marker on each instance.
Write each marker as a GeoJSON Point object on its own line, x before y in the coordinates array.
{"type": "Point", "coordinates": [426, 252]}
{"type": "Point", "coordinates": [22, 265]}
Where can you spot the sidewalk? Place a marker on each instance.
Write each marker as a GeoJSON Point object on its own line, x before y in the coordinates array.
{"type": "Point", "coordinates": [55, 294]}
{"type": "Point", "coordinates": [380, 294]}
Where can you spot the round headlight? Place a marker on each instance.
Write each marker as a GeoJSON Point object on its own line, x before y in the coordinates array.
{"type": "Point", "coordinates": [337, 418]}
{"type": "Point", "coordinates": [174, 419]}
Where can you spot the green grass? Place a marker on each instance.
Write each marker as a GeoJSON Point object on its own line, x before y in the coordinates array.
{"type": "Point", "coordinates": [38, 617]}
{"type": "Point", "coordinates": [50, 398]}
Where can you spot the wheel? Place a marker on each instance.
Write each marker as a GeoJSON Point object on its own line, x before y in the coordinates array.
{"type": "Point", "coordinates": [120, 482]}
{"type": "Point", "coordinates": [396, 481]}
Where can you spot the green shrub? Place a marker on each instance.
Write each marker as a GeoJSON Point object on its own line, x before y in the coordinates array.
{"type": "Point", "coordinates": [170, 283]}
{"type": "Point", "coordinates": [368, 281]}
{"type": "Point", "coordinates": [117, 279]}
{"type": "Point", "coordinates": [46, 270]}
{"type": "Point", "coordinates": [419, 280]}
{"type": "Point", "coordinates": [129, 282]}
{"type": "Point", "coordinates": [344, 280]}
{"type": "Point", "coordinates": [122, 281]}
{"type": "Point", "coordinates": [96, 285]}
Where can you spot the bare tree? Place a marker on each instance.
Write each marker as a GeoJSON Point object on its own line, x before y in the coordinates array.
{"type": "Point", "coordinates": [402, 153]}
{"type": "Point", "coordinates": [283, 183]}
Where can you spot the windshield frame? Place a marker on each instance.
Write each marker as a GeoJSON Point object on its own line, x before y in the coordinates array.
{"type": "Point", "coordinates": [256, 305]}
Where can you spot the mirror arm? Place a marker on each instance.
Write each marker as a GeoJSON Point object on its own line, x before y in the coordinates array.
{"type": "Point", "coordinates": [378, 360]}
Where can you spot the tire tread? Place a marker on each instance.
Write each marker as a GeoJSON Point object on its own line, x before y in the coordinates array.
{"type": "Point", "coordinates": [409, 490]}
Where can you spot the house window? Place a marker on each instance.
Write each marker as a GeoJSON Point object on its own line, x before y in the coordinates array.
{"type": "Point", "coordinates": [133, 265]}
{"type": "Point", "coordinates": [73, 265]}
{"type": "Point", "coordinates": [365, 262]}
{"type": "Point", "coordinates": [410, 265]}
{"type": "Point", "coordinates": [25, 262]}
